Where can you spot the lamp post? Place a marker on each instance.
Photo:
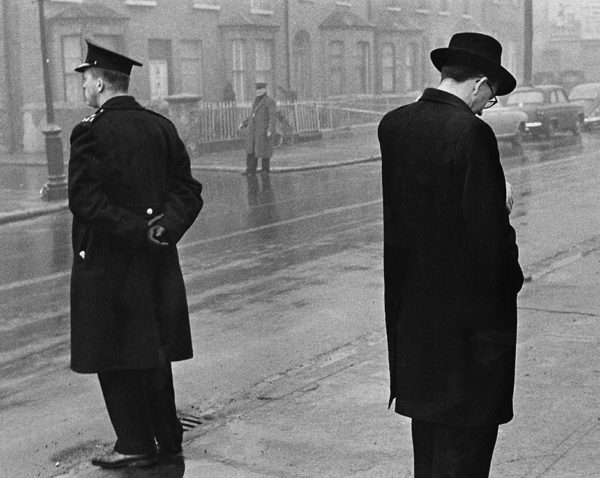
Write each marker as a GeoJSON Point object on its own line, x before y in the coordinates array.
{"type": "Point", "coordinates": [56, 187]}
{"type": "Point", "coordinates": [528, 44]}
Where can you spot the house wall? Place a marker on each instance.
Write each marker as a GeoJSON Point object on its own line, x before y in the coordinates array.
{"type": "Point", "coordinates": [205, 21]}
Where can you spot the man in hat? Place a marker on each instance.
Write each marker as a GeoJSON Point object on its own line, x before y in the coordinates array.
{"type": "Point", "coordinates": [451, 269]}
{"type": "Point", "coordinates": [133, 197]}
{"type": "Point", "coordinates": [261, 127]}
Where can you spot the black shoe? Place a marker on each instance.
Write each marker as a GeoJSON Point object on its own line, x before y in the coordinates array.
{"type": "Point", "coordinates": [115, 459]}
{"type": "Point", "coordinates": [170, 454]}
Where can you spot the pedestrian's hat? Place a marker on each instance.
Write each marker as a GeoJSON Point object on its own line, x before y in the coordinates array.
{"type": "Point", "coordinates": [478, 51]}
{"type": "Point", "coordinates": [100, 57]}
{"type": "Point", "coordinates": [260, 85]}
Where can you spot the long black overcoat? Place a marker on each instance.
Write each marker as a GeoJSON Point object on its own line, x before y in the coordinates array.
{"type": "Point", "coordinates": [451, 266]}
{"type": "Point", "coordinates": [263, 118]}
{"type": "Point", "coordinates": [128, 303]}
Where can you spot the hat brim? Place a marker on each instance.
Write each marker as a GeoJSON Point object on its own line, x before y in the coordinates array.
{"type": "Point", "coordinates": [84, 66]}
{"type": "Point", "coordinates": [497, 73]}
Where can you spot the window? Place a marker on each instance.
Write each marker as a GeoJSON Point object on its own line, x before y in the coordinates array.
{"type": "Point", "coordinates": [561, 96]}
{"type": "Point", "coordinates": [211, 5]}
{"type": "Point", "coordinates": [336, 67]}
{"type": "Point", "coordinates": [261, 7]}
{"type": "Point", "coordinates": [363, 60]}
{"type": "Point", "coordinates": [159, 66]}
{"type": "Point", "coordinates": [71, 58]}
{"type": "Point", "coordinates": [411, 67]}
{"type": "Point", "coordinates": [301, 62]}
{"type": "Point", "coordinates": [526, 97]}
{"type": "Point", "coordinates": [264, 61]}
{"type": "Point", "coordinates": [388, 74]}
{"type": "Point", "coordinates": [238, 70]}
{"type": "Point", "coordinates": [141, 3]}
{"type": "Point", "coordinates": [191, 67]}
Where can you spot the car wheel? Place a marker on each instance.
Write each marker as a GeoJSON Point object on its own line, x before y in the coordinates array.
{"type": "Point", "coordinates": [549, 130]}
{"type": "Point", "coordinates": [577, 127]}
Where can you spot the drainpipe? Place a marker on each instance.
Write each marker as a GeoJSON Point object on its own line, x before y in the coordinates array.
{"type": "Point", "coordinates": [11, 106]}
{"type": "Point", "coordinates": [288, 76]}
{"type": "Point", "coordinates": [528, 44]}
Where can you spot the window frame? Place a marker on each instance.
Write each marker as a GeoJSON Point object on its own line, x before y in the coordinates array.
{"type": "Point", "coordinates": [69, 75]}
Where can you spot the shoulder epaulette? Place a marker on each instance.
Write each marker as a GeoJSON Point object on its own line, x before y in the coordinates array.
{"type": "Point", "coordinates": [89, 120]}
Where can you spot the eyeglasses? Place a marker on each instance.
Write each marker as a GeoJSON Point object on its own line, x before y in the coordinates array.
{"type": "Point", "coordinates": [493, 100]}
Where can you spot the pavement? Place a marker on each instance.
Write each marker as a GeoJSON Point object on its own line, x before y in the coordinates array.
{"type": "Point", "coordinates": [329, 417]}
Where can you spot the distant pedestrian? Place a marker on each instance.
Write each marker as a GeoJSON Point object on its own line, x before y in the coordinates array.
{"type": "Point", "coordinates": [451, 267]}
{"type": "Point", "coordinates": [133, 197]}
{"type": "Point", "coordinates": [260, 128]}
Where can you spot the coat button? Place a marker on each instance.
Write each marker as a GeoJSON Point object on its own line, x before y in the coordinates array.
{"type": "Point", "coordinates": [149, 211]}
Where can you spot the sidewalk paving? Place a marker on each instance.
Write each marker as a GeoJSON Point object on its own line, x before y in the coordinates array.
{"type": "Point", "coordinates": [328, 418]}
{"type": "Point", "coordinates": [337, 148]}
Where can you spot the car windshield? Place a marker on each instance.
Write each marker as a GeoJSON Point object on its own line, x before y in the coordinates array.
{"type": "Point", "coordinates": [584, 92]}
{"type": "Point", "coordinates": [526, 97]}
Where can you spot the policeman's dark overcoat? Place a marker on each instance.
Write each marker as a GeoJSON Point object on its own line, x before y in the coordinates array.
{"type": "Point", "coordinates": [262, 119]}
{"type": "Point", "coordinates": [451, 266]}
{"type": "Point", "coordinates": [128, 302]}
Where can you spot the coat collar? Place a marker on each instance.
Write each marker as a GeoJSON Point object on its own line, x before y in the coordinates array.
{"type": "Point", "coordinates": [121, 102]}
{"type": "Point", "coordinates": [439, 96]}
{"type": "Point", "coordinates": [259, 103]}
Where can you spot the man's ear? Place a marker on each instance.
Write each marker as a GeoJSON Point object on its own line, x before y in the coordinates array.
{"type": "Point", "coordinates": [480, 82]}
{"type": "Point", "coordinates": [100, 84]}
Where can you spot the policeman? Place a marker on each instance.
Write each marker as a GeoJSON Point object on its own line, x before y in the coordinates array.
{"type": "Point", "coordinates": [133, 197]}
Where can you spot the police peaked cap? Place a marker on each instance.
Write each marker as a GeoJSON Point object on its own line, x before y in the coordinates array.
{"type": "Point", "coordinates": [100, 57]}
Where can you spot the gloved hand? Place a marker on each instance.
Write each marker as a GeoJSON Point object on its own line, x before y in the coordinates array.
{"type": "Point", "coordinates": [509, 197]}
{"type": "Point", "coordinates": [157, 234]}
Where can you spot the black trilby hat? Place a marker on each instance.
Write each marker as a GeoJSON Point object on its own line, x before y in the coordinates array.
{"type": "Point", "coordinates": [101, 57]}
{"type": "Point", "coordinates": [478, 51]}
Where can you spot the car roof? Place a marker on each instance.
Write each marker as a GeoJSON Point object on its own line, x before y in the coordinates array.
{"type": "Point", "coordinates": [541, 88]}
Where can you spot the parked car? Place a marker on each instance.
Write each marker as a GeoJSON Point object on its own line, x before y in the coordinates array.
{"type": "Point", "coordinates": [508, 124]}
{"type": "Point", "coordinates": [588, 96]}
{"type": "Point", "coordinates": [569, 78]}
{"type": "Point", "coordinates": [548, 109]}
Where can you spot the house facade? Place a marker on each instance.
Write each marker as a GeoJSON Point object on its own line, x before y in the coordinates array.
{"type": "Point", "coordinates": [217, 49]}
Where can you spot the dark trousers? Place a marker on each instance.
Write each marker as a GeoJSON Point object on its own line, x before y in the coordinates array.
{"type": "Point", "coordinates": [444, 451]}
{"type": "Point", "coordinates": [141, 407]}
{"type": "Point", "coordinates": [252, 163]}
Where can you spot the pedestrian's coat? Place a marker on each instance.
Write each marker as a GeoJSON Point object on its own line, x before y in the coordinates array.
{"type": "Point", "coordinates": [262, 119]}
{"type": "Point", "coordinates": [451, 265]}
{"type": "Point", "coordinates": [128, 303]}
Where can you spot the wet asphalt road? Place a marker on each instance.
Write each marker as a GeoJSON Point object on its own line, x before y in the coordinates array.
{"type": "Point", "coordinates": [264, 267]}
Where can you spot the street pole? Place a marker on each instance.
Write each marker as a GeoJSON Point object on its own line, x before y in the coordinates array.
{"type": "Point", "coordinates": [56, 187]}
{"type": "Point", "coordinates": [528, 44]}
{"type": "Point", "coordinates": [288, 79]}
